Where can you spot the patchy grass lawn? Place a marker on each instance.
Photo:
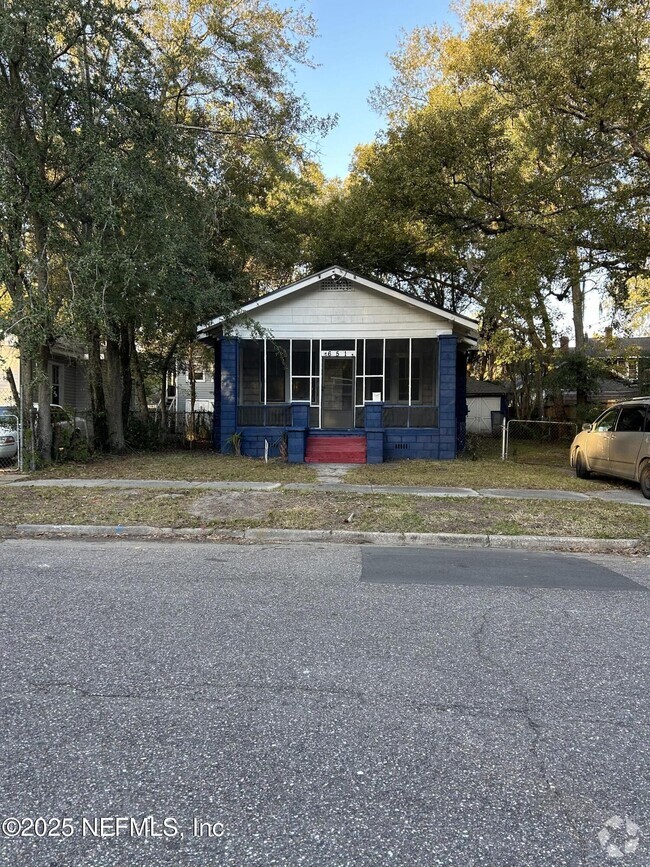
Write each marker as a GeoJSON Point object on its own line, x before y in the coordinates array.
{"type": "Point", "coordinates": [532, 464]}
{"type": "Point", "coordinates": [485, 472]}
{"type": "Point", "coordinates": [97, 506]}
{"type": "Point", "coordinates": [308, 511]}
{"type": "Point", "coordinates": [481, 473]}
{"type": "Point", "coordinates": [186, 466]}
{"type": "Point", "coordinates": [403, 513]}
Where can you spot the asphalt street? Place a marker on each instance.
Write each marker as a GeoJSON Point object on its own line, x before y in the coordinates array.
{"type": "Point", "coordinates": [322, 705]}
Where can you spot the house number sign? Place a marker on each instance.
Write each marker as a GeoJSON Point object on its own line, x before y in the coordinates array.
{"type": "Point", "coordinates": [338, 353]}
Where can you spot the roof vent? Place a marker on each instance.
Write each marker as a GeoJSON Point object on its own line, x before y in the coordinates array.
{"type": "Point", "coordinates": [336, 284]}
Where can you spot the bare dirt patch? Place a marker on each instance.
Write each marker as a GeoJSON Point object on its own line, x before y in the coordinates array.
{"type": "Point", "coordinates": [223, 505]}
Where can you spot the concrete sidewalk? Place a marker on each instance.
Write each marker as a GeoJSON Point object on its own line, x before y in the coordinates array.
{"type": "Point", "coordinates": [624, 497]}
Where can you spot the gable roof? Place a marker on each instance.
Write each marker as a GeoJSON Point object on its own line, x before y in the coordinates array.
{"type": "Point", "coordinates": [484, 388]}
{"type": "Point", "coordinates": [614, 346]}
{"type": "Point", "coordinates": [337, 272]}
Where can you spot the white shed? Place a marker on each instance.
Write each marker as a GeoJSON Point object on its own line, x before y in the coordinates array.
{"type": "Point", "coordinates": [486, 404]}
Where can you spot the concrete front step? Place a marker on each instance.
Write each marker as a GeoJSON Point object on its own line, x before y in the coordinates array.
{"type": "Point", "coordinates": [337, 458]}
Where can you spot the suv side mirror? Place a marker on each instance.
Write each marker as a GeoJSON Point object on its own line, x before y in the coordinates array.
{"type": "Point", "coordinates": [586, 426]}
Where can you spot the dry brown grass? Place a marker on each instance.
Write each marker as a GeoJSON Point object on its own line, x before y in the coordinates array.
{"type": "Point", "coordinates": [297, 510]}
{"type": "Point", "coordinates": [482, 473]}
{"type": "Point", "coordinates": [187, 466]}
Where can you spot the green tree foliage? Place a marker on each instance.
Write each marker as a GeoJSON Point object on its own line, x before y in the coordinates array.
{"type": "Point", "coordinates": [145, 154]}
{"type": "Point", "coordinates": [514, 169]}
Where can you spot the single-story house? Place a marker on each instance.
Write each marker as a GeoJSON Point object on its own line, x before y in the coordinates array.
{"type": "Point", "coordinates": [487, 405]}
{"type": "Point", "coordinates": [336, 367]}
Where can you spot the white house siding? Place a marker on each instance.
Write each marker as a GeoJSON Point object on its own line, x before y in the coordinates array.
{"type": "Point", "coordinates": [357, 312]}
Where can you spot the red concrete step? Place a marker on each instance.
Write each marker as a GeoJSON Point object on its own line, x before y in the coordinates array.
{"type": "Point", "coordinates": [335, 450]}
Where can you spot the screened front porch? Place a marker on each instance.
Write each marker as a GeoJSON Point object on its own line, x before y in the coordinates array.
{"type": "Point", "coordinates": [335, 379]}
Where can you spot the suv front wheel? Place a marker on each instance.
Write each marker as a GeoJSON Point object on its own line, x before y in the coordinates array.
{"type": "Point", "coordinates": [581, 467]}
{"type": "Point", "coordinates": [644, 480]}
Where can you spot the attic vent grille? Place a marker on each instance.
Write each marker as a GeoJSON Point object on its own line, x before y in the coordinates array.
{"type": "Point", "coordinates": [336, 284]}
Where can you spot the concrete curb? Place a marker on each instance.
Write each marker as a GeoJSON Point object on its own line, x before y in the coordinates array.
{"type": "Point", "coordinates": [432, 540]}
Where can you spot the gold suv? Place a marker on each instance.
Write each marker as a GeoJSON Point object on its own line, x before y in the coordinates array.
{"type": "Point", "coordinates": [616, 444]}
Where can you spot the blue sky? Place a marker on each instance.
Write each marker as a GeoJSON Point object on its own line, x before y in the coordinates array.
{"type": "Point", "coordinates": [354, 39]}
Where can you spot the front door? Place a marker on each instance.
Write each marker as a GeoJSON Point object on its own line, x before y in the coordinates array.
{"type": "Point", "coordinates": [337, 402]}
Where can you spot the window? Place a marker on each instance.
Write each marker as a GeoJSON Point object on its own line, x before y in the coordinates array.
{"type": "Point", "coordinates": [606, 421]}
{"type": "Point", "coordinates": [57, 384]}
{"type": "Point", "coordinates": [631, 419]}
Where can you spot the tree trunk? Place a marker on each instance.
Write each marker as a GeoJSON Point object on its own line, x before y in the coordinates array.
{"type": "Point", "coordinates": [14, 390]}
{"type": "Point", "coordinates": [140, 395]}
{"type": "Point", "coordinates": [97, 396]}
{"type": "Point", "coordinates": [28, 417]}
{"type": "Point", "coordinates": [44, 433]}
{"type": "Point", "coordinates": [163, 399]}
{"type": "Point", "coordinates": [113, 391]}
{"type": "Point", "coordinates": [192, 376]}
{"type": "Point", "coordinates": [127, 379]}
{"type": "Point", "coordinates": [577, 299]}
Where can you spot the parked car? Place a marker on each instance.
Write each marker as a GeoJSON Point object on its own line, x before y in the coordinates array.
{"type": "Point", "coordinates": [8, 435]}
{"type": "Point", "coordinates": [616, 444]}
{"type": "Point", "coordinates": [63, 422]}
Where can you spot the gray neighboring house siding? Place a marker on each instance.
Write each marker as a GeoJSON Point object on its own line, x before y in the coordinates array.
{"type": "Point", "coordinates": [204, 392]}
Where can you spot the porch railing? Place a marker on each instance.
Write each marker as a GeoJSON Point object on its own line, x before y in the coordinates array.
{"type": "Point", "coordinates": [410, 416]}
{"type": "Point", "coordinates": [264, 416]}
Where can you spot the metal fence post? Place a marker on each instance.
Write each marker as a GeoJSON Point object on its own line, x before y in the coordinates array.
{"type": "Point", "coordinates": [504, 440]}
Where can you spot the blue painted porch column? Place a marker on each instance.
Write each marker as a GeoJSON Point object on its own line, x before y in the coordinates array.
{"type": "Point", "coordinates": [447, 396]}
{"type": "Point", "coordinates": [374, 425]}
{"type": "Point", "coordinates": [297, 433]}
{"type": "Point", "coordinates": [216, 416]}
{"type": "Point", "coordinates": [228, 405]}
{"type": "Point", "coordinates": [461, 401]}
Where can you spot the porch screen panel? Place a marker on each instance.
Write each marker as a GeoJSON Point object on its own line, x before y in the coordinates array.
{"type": "Point", "coordinates": [359, 414]}
{"type": "Point", "coordinates": [397, 371]}
{"type": "Point", "coordinates": [277, 371]}
{"type": "Point", "coordinates": [374, 369]}
{"type": "Point", "coordinates": [411, 383]}
{"type": "Point", "coordinates": [314, 408]}
{"type": "Point", "coordinates": [251, 372]}
{"type": "Point", "coordinates": [426, 351]}
{"type": "Point", "coordinates": [300, 369]}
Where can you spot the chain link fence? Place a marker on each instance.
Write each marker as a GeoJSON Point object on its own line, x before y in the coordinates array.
{"type": "Point", "coordinates": [534, 441]}
{"type": "Point", "coordinates": [10, 442]}
{"type": "Point", "coordinates": [10, 438]}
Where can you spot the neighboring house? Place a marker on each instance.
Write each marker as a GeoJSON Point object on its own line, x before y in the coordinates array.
{"type": "Point", "coordinates": [487, 406]}
{"type": "Point", "coordinates": [204, 390]}
{"type": "Point", "coordinates": [628, 359]}
{"type": "Point", "coordinates": [67, 371]}
{"type": "Point", "coordinates": [349, 370]}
